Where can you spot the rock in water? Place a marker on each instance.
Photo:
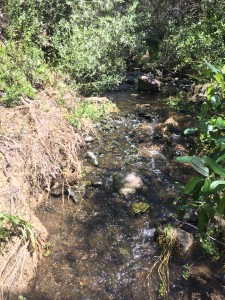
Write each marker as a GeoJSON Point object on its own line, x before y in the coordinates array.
{"type": "Point", "coordinates": [148, 84]}
{"type": "Point", "coordinates": [183, 241]}
{"type": "Point", "coordinates": [141, 207]}
{"type": "Point", "coordinates": [93, 157]}
{"type": "Point", "coordinates": [127, 184]}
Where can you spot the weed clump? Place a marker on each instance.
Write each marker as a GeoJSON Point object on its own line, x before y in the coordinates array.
{"type": "Point", "coordinates": [167, 240]}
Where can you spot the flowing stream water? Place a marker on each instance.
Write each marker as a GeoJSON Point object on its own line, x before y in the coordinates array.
{"type": "Point", "coordinates": [99, 249]}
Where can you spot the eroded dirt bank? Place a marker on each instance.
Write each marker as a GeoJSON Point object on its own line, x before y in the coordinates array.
{"type": "Point", "coordinates": [37, 145]}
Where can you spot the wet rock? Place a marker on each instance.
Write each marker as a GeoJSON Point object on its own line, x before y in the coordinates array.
{"type": "Point", "coordinates": [175, 137]}
{"type": "Point", "coordinates": [182, 240]}
{"type": "Point", "coordinates": [147, 83]}
{"type": "Point", "coordinates": [89, 139]}
{"type": "Point", "coordinates": [137, 208]}
{"type": "Point", "coordinates": [191, 215]}
{"type": "Point", "coordinates": [171, 123]}
{"type": "Point", "coordinates": [144, 110]}
{"type": "Point", "coordinates": [93, 158]}
{"type": "Point", "coordinates": [72, 193]}
{"type": "Point", "coordinates": [96, 183]}
{"type": "Point", "coordinates": [127, 184]}
{"type": "Point", "coordinates": [57, 188]}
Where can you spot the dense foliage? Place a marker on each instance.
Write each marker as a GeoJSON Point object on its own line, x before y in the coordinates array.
{"type": "Point", "coordinates": [205, 192]}
{"type": "Point", "coordinates": [92, 43]}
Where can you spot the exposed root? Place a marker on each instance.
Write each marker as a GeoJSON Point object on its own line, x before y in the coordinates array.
{"type": "Point", "coordinates": [167, 242]}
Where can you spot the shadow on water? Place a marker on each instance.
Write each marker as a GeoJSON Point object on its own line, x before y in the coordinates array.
{"type": "Point", "coordinates": [99, 249]}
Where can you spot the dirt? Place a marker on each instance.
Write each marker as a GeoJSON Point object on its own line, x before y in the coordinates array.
{"type": "Point", "coordinates": [37, 145]}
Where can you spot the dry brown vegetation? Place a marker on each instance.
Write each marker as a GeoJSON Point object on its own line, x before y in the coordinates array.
{"type": "Point", "coordinates": [37, 146]}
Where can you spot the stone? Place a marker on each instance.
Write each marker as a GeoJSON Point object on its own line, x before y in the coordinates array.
{"type": "Point", "coordinates": [93, 158]}
{"type": "Point", "coordinates": [171, 122]}
{"type": "Point", "coordinates": [127, 184]}
{"type": "Point", "coordinates": [57, 188]}
{"type": "Point", "coordinates": [137, 208]}
{"type": "Point", "coordinates": [148, 84]}
{"type": "Point", "coordinates": [89, 139]}
{"type": "Point", "coordinates": [183, 240]}
{"type": "Point", "coordinates": [97, 183]}
{"type": "Point", "coordinates": [72, 193]}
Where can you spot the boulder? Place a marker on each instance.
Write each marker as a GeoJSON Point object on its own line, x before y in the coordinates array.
{"type": "Point", "coordinates": [147, 83]}
{"type": "Point", "coordinates": [127, 184]}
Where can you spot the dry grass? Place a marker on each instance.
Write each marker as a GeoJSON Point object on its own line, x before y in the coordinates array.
{"type": "Point", "coordinates": [37, 146]}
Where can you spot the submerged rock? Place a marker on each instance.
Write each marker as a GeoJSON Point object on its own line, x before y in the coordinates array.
{"type": "Point", "coordinates": [127, 184]}
{"type": "Point", "coordinates": [141, 207]}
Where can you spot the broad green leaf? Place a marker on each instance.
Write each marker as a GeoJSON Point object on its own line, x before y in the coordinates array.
{"type": "Point", "coordinates": [215, 100]}
{"type": "Point", "coordinates": [215, 183]}
{"type": "Point", "coordinates": [221, 158]}
{"type": "Point", "coordinates": [184, 159]}
{"type": "Point", "coordinates": [209, 91]}
{"type": "Point", "coordinates": [206, 186]}
{"type": "Point", "coordinates": [202, 219]}
{"type": "Point", "coordinates": [221, 140]}
{"type": "Point", "coordinates": [198, 164]}
{"type": "Point", "coordinates": [190, 130]}
{"type": "Point", "coordinates": [219, 77]}
{"type": "Point", "coordinates": [214, 166]}
{"type": "Point", "coordinates": [220, 123]}
{"type": "Point", "coordinates": [192, 184]}
{"type": "Point", "coordinates": [211, 67]}
{"type": "Point", "coordinates": [196, 77]}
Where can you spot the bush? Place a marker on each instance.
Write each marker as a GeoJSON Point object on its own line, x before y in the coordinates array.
{"type": "Point", "coordinates": [22, 70]}
{"type": "Point", "coordinates": [193, 44]}
{"type": "Point", "coordinates": [90, 41]}
{"type": "Point", "coordinates": [206, 191]}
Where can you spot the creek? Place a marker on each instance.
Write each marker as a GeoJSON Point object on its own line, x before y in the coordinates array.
{"type": "Point", "coordinates": [99, 250]}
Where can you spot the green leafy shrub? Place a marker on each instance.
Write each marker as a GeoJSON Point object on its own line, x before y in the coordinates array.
{"type": "Point", "coordinates": [12, 225]}
{"type": "Point", "coordinates": [85, 111]}
{"type": "Point", "coordinates": [201, 40]}
{"type": "Point", "coordinates": [206, 191]}
{"type": "Point", "coordinates": [94, 49]}
{"type": "Point", "coordinates": [180, 102]}
{"type": "Point", "coordinates": [22, 70]}
{"type": "Point", "coordinates": [89, 41]}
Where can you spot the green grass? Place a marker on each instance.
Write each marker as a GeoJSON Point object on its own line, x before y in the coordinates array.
{"type": "Point", "coordinates": [89, 111]}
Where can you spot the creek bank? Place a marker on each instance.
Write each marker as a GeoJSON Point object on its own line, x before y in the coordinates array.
{"type": "Point", "coordinates": [39, 157]}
